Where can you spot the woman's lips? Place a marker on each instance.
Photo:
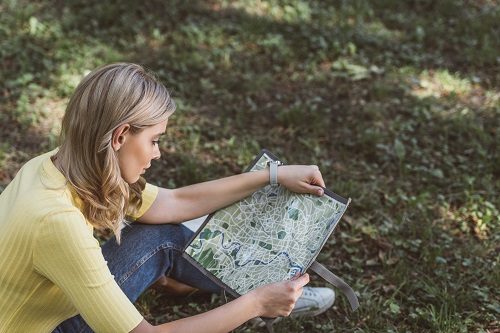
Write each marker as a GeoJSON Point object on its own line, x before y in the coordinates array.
{"type": "Point", "coordinates": [145, 169]}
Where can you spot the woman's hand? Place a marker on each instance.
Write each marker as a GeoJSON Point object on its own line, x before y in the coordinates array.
{"type": "Point", "coordinates": [301, 178]}
{"type": "Point", "coordinates": [278, 299]}
{"type": "Point", "coordinates": [272, 300]}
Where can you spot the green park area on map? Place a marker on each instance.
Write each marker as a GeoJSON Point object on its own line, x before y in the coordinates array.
{"type": "Point", "coordinates": [269, 236]}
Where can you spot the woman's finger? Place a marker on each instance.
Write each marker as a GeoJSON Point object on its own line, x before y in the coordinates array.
{"type": "Point", "coordinates": [301, 281]}
{"type": "Point", "coordinates": [317, 177]}
{"type": "Point", "coordinates": [313, 189]}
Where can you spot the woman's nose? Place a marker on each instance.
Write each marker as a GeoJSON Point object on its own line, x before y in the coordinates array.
{"type": "Point", "coordinates": [157, 153]}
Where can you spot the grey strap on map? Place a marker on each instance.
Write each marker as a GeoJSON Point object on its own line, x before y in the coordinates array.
{"type": "Point", "coordinates": [337, 282]}
{"type": "Point", "coordinates": [269, 325]}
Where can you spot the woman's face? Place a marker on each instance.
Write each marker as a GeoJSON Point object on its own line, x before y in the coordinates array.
{"type": "Point", "coordinates": [138, 150]}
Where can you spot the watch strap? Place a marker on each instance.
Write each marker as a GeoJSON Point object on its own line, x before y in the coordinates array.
{"type": "Point", "coordinates": [273, 173]}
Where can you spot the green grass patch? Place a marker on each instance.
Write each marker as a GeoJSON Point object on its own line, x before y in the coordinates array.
{"type": "Point", "coordinates": [396, 101]}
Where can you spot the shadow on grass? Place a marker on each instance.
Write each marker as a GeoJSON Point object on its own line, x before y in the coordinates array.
{"type": "Point", "coordinates": [339, 86]}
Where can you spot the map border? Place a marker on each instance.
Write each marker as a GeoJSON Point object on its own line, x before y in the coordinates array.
{"type": "Point", "coordinates": [214, 278]}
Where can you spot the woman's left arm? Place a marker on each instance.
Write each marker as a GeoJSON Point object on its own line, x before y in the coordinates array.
{"type": "Point", "coordinates": [189, 202]}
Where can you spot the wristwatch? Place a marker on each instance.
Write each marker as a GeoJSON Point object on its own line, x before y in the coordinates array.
{"type": "Point", "coordinates": [273, 172]}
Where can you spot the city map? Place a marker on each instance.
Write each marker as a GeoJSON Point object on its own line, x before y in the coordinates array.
{"type": "Point", "coordinates": [270, 236]}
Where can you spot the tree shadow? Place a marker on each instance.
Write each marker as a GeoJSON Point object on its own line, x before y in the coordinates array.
{"type": "Point", "coordinates": [330, 87]}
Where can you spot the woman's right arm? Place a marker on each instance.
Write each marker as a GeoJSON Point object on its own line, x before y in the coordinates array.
{"type": "Point", "coordinates": [272, 300]}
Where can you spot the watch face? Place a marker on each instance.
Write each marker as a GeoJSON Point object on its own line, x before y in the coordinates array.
{"type": "Point", "coordinates": [278, 163]}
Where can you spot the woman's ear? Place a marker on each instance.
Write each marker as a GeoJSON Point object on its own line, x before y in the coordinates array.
{"type": "Point", "coordinates": [119, 136]}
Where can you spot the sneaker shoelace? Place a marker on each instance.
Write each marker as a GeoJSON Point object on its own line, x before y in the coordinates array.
{"type": "Point", "coordinates": [309, 292]}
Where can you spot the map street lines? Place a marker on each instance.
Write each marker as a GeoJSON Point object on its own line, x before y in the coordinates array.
{"type": "Point", "coordinates": [270, 236]}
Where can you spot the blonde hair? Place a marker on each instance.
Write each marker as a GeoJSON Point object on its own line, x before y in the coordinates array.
{"type": "Point", "coordinates": [105, 99]}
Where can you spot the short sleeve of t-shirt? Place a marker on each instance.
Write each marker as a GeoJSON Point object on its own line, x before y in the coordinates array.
{"type": "Point", "coordinates": [66, 253]}
{"type": "Point", "coordinates": [148, 197]}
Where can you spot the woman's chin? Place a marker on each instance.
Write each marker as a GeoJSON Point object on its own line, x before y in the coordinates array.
{"type": "Point", "coordinates": [131, 180]}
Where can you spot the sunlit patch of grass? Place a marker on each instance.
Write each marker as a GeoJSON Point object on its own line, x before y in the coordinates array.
{"type": "Point", "coordinates": [491, 99]}
{"type": "Point", "coordinates": [287, 11]}
{"type": "Point", "coordinates": [440, 83]}
{"type": "Point", "coordinates": [377, 29]}
{"type": "Point", "coordinates": [459, 94]}
{"type": "Point", "coordinates": [477, 216]}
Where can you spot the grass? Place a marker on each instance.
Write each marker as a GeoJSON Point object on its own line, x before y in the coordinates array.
{"type": "Point", "coordinates": [396, 101]}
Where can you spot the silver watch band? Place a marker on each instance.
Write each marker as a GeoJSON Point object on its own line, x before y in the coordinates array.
{"type": "Point", "coordinates": [273, 173]}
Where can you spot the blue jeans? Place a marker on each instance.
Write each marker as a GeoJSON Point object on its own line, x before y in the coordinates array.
{"type": "Point", "coordinates": [146, 253]}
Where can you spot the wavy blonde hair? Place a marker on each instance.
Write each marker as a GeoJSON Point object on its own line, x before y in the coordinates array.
{"type": "Point", "coordinates": [105, 99]}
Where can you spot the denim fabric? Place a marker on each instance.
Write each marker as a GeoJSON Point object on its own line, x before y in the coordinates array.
{"type": "Point", "coordinates": [145, 254]}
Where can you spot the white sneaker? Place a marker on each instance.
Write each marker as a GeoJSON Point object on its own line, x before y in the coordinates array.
{"type": "Point", "coordinates": [312, 302]}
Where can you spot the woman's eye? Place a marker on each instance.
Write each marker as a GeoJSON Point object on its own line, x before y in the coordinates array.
{"type": "Point", "coordinates": [156, 142]}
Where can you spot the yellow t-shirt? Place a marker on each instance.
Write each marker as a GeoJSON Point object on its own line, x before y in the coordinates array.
{"type": "Point", "coordinates": [51, 266]}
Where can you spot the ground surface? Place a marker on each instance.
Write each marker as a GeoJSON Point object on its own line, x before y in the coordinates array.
{"type": "Point", "coordinates": [396, 101]}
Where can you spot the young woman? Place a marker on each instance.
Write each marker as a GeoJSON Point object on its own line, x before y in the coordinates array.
{"type": "Point", "coordinates": [54, 276]}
